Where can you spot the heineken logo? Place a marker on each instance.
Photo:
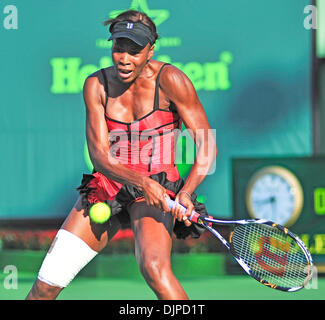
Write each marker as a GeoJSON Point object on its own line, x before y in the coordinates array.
{"type": "Point", "coordinates": [69, 73]}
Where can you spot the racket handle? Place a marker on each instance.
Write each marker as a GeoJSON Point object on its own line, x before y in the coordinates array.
{"type": "Point", "coordinates": [193, 217]}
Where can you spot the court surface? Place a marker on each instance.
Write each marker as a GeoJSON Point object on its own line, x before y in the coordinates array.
{"type": "Point", "coordinates": [209, 288]}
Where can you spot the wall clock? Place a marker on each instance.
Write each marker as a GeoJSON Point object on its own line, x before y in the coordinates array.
{"type": "Point", "coordinates": [274, 193]}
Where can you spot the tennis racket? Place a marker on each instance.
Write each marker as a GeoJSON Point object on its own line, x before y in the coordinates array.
{"type": "Point", "coordinates": [267, 251]}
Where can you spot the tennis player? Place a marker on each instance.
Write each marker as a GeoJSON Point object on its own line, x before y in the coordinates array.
{"type": "Point", "coordinates": [134, 111]}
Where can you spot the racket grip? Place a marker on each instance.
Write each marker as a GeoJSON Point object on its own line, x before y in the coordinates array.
{"type": "Point", "coordinates": [193, 217]}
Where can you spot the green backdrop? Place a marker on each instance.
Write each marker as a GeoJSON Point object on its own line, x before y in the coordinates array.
{"type": "Point", "coordinates": [249, 61]}
{"type": "Point", "coordinates": [320, 31]}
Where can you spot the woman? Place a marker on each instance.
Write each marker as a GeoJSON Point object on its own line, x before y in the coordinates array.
{"type": "Point", "coordinates": [133, 111]}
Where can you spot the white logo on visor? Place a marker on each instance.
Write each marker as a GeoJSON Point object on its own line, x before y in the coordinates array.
{"type": "Point", "coordinates": [129, 26]}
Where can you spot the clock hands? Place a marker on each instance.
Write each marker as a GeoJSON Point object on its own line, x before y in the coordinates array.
{"type": "Point", "coordinates": [273, 200]}
{"type": "Point", "coordinates": [268, 200]}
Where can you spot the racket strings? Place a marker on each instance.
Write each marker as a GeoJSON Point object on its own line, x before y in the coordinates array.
{"type": "Point", "coordinates": [271, 254]}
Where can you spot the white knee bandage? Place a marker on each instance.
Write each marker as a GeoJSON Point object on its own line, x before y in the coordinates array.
{"type": "Point", "coordinates": [66, 257]}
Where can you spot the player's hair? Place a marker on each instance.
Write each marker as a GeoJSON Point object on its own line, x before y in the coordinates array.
{"type": "Point", "coordinates": [134, 16]}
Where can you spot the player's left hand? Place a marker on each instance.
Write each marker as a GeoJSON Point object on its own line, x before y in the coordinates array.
{"type": "Point", "coordinates": [184, 199]}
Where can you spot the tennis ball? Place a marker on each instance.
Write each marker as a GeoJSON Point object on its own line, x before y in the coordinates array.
{"type": "Point", "coordinates": [100, 212]}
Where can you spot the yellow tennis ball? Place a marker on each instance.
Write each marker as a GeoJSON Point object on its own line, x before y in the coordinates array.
{"type": "Point", "coordinates": [100, 212]}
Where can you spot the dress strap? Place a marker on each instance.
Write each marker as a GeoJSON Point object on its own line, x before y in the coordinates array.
{"type": "Point", "coordinates": [105, 85]}
{"type": "Point", "coordinates": [156, 102]}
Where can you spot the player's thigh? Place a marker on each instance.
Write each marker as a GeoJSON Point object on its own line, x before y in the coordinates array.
{"type": "Point", "coordinates": [94, 234]}
{"type": "Point", "coordinates": [152, 231]}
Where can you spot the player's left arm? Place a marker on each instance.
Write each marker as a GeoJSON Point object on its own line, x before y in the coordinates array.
{"type": "Point", "coordinates": [180, 90]}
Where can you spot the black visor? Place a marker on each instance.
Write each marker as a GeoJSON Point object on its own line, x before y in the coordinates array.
{"type": "Point", "coordinates": [135, 31]}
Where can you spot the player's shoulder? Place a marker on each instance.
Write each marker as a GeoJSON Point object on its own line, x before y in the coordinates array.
{"type": "Point", "coordinates": [173, 77]}
{"type": "Point", "coordinates": [97, 79]}
{"type": "Point", "coordinates": [169, 69]}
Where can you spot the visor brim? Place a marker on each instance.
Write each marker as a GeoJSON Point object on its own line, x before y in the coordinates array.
{"type": "Point", "coordinates": [139, 41]}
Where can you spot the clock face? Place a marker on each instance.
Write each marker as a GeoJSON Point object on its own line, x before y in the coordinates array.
{"type": "Point", "coordinates": [275, 194]}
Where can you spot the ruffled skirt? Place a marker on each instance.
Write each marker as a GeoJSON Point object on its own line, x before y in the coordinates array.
{"type": "Point", "coordinates": [97, 188]}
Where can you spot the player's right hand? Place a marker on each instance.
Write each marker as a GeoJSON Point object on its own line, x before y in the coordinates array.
{"type": "Point", "coordinates": [154, 194]}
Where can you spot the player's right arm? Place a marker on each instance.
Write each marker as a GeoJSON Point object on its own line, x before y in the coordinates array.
{"type": "Point", "coordinates": [99, 149]}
